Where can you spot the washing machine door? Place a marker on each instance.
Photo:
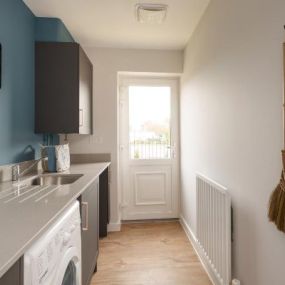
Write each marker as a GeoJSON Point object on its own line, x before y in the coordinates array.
{"type": "Point", "coordinates": [69, 277]}
{"type": "Point", "coordinates": [69, 271]}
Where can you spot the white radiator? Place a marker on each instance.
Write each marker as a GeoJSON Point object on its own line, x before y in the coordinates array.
{"type": "Point", "coordinates": [214, 226]}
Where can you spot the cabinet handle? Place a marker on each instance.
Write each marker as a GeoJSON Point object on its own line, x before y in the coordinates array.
{"type": "Point", "coordinates": [80, 117]}
{"type": "Point", "coordinates": [86, 221]}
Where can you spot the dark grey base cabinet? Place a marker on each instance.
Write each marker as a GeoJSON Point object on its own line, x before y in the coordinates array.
{"type": "Point", "coordinates": [104, 211]}
{"type": "Point", "coordinates": [14, 276]}
{"type": "Point", "coordinates": [90, 231]}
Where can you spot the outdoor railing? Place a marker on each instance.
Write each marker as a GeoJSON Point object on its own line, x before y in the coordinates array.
{"type": "Point", "coordinates": [150, 150]}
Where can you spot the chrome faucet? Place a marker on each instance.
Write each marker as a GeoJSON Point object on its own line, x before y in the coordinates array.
{"type": "Point", "coordinates": [16, 172]}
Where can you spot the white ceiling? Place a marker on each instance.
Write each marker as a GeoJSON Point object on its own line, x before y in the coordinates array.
{"type": "Point", "coordinates": [112, 23]}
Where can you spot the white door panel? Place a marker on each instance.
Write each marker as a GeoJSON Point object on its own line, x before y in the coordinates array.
{"type": "Point", "coordinates": [150, 188]}
{"type": "Point", "coordinates": [148, 152]}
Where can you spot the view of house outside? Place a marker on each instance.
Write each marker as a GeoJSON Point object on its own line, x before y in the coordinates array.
{"type": "Point", "coordinates": [149, 122]}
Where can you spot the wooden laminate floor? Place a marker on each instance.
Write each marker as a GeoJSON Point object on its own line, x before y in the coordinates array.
{"type": "Point", "coordinates": [149, 254]}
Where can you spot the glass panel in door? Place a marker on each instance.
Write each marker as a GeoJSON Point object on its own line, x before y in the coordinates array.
{"type": "Point", "coordinates": [149, 122]}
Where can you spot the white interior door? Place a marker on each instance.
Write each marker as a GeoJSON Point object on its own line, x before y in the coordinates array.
{"type": "Point", "coordinates": [149, 148]}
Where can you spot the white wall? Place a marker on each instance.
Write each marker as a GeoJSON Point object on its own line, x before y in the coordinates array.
{"type": "Point", "coordinates": [231, 125]}
{"type": "Point", "coordinates": [106, 64]}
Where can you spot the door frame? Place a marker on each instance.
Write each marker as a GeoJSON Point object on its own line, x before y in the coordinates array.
{"type": "Point", "coordinates": [127, 78]}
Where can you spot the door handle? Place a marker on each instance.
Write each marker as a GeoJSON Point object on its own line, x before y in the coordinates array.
{"type": "Point", "coordinates": [85, 224]}
{"type": "Point", "coordinates": [173, 150]}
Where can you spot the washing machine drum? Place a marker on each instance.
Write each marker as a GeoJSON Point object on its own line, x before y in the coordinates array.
{"type": "Point", "coordinates": [69, 269]}
{"type": "Point", "coordinates": [69, 277]}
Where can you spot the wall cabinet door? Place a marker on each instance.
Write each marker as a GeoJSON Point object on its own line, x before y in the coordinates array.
{"type": "Point", "coordinates": [85, 93]}
{"type": "Point", "coordinates": [63, 89]}
{"type": "Point", "coordinates": [90, 231]}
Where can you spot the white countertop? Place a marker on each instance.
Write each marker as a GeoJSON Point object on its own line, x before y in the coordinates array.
{"type": "Point", "coordinates": [23, 218]}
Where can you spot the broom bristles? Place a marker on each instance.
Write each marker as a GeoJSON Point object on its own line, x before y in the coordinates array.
{"type": "Point", "coordinates": [276, 211]}
{"type": "Point", "coordinates": [274, 204]}
{"type": "Point", "coordinates": [280, 221]}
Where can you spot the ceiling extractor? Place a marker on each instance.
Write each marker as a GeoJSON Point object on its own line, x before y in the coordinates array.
{"type": "Point", "coordinates": [151, 13]}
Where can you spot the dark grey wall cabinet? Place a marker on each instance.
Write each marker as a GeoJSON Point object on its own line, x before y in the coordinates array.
{"type": "Point", "coordinates": [90, 231]}
{"type": "Point", "coordinates": [63, 87]}
{"type": "Point", "coordinates": [14, 276]}
{"type": "Point", "coordinates": [104, 196]}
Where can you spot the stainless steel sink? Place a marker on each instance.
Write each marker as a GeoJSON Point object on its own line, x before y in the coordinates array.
{"type": "Point", "coordinates": [56, 179]}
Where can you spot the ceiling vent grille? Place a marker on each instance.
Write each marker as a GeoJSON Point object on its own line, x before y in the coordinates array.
{"type": "Point", "coordinates": [151, 13]}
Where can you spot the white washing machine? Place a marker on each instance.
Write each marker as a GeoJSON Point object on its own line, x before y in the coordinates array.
{"type": "Point", "coordinates": [55, 259]}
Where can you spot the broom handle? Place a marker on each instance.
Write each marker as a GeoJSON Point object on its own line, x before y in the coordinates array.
{"type": "Point", "coordinates": [283, 151]}
{"type": "Point", "coordinates": [284, 95]}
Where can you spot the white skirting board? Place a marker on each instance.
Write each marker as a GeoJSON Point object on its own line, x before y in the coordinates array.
{"type": "Point", "coordinates": [199, 252]}
{"type": "Point", "coordinates": [114, 227]}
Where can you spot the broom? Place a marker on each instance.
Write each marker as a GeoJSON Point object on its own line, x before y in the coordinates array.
{"type": "Point", "coordinates": [276, 211]}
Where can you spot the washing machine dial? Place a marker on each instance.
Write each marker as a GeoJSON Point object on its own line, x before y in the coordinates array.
{"type": "Point", "coordinates": [66, 238]}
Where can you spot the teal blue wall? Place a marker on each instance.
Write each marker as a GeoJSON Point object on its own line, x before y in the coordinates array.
{"type": "Point", "coordinates": [52, 30]}
{"type": "Point", "coordinates": [18, 30]}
